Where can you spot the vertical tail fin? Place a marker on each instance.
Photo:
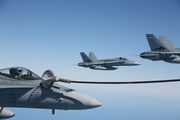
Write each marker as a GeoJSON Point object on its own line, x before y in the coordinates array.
{"type": "Point", "coordinates": [160, 43]}
{"type": "Point", "coordinates": [153, 41]}
{"type": "Point", "coordinates": [166, 43]}
{"type": "Point", "coordinates": [92, 56]}
{"type": "Point", "coordinates": [85, 58]}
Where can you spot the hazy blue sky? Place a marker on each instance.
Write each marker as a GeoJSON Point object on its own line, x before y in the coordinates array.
{"type": "Point", "coordinates": [49, 34]}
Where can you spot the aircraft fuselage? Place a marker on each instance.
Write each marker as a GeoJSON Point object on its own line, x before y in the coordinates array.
{"type": "Point", "coordinates": [44, 98]}
{"type": "Point", "coordinates": [107, 64]}
{"type": "Point", "coordinates": [157, 56]}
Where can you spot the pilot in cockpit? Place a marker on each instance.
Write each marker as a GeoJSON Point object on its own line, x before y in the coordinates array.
{"type": "Point", "coordinates": [19, 73]}
{"type": "Point", "coordinates": [15, 73]}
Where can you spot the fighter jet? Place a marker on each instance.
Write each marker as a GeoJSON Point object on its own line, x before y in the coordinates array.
{"type": "Point", "coordinates": [92, 62]}
{"type": "Point", "coordinates": [21, 88]}
{"type": "Point", "coordinates": [161, 49]}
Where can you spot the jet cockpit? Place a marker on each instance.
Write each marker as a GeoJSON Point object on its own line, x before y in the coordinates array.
{"type": "Point", "coordinates": [19, 73]}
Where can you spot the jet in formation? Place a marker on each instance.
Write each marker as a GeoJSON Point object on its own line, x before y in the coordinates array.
{"type": "Point", "coordinates": [161, 49]}
{"type": "Point", "coordinates": [21, 88]}
{"type": "Point", "coordinates": [92, 62]}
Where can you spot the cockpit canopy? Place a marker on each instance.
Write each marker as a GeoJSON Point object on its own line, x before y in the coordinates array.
{"type": "Point", "coordinates": [19, 73]}
{"type": "Point", "coordinates": [122, 58]}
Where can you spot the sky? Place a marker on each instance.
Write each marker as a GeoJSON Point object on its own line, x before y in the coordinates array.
{"type": "Point", "coordinates": [50, 34]}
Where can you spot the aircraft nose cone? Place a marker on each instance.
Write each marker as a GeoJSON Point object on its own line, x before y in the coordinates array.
{"type": "Point", "coordinates": [82, 64]}
{"type": "Point", "coordinates": [83, 101]}
{"type": "Point", "coordinates": [136, 63]}
{"type": "Point", "coordinates": [94, 103]}
{"type": "Point", "coordinates": [89, 102]}
{"type": "Point", "coordinates": [133, 63]}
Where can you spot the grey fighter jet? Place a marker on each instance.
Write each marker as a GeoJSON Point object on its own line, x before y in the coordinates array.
{"type": "Point", "coordinates": [161, 49]}
{"type": "Point", "coordinates": [92, 62]}
{"type": "Point", "coordinates": [21, 88]}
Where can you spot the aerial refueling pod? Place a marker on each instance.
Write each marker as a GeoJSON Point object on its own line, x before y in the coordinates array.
{"type": "Point", "coordinates": [48, 79]}
{"type": "Point", "coordinates": [5, 113]}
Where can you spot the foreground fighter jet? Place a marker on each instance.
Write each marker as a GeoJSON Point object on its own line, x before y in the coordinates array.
{"type": "Point", "coordinates": [19, 87]}
{"type": "Point", "coordinates": [161, 49]}
{"type": "Point", "coordinates": [92, 62]}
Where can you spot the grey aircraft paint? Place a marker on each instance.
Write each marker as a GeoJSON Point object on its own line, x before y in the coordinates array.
{"type": "Point", "coordinates": [161, 49]}
{"type": "Point", "coordinates": [92, 62]}
{"type": "Point", "coordinates": [19, 87]}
